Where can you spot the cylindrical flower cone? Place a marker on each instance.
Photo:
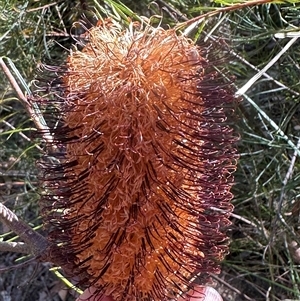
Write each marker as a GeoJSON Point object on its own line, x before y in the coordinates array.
{"type": "Point", "coordinates": [141, 194]}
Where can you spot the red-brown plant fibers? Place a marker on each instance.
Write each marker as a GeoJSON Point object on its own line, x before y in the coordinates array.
{"type": "Point", "coordinates": [146, 157]}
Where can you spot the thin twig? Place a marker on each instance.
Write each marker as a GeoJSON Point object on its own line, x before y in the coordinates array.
{"type": "Point", "coordinates": [36, 242]}
{"type": "Point", "coordinates": [273, 124]}
{"type": "Point", "coordinates": [42, 7]}
{"type": "Point", "coordinates": [13, 173]}
{"type": "Point", "coordinates": [32, 113]}
{"type": "Point", "coordinates": [16, 183]}
{"type": "Point", "coordinates": [282, 194]}
{"type": "Point", "coordinates": [170, 9]}
{"type": "Point", "coordinates": [251, 81]}
{"type": "Point", "coordinates": [235, 216]}
{"type": "Point", "coordinates": [232, 288]}
{"type": "Point", "coordinates": [22, 135]}
{"type": "Point", "coordinates": [285, 181]}
{"type": "Point", "coordinates": [17, 266]}
{"type": "Point", "coordinates": [17, 247]}
{"type": "Point", "coordinates": [192, 23]}
{"type": "Point", "coordinates": [265, 74]}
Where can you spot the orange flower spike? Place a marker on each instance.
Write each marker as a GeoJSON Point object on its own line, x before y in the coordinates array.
{"type": "Point", "coordinates": [146, 156]}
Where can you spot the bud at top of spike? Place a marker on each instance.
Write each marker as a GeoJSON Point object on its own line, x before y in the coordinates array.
{"type": "Point", "coordinates": [147, 161]}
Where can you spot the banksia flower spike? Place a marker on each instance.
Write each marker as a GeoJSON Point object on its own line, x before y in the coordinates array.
{"type": "Point", "coordinates": [141, 194]}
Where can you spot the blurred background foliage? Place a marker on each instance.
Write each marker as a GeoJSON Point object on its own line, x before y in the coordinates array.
{"type": "Point", "coordinates": [264, 261]}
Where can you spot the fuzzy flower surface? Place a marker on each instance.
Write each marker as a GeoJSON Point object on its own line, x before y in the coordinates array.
{"type": "Point", "coordinates": [146, 160]}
